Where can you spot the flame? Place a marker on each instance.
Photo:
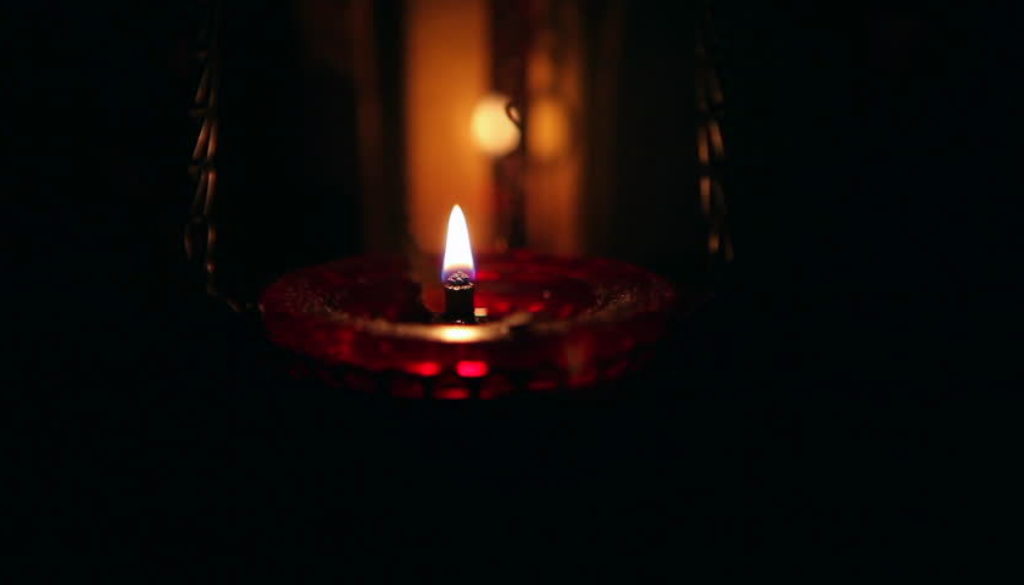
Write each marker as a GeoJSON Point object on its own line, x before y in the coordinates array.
{"type": "Point", "coordinates": [458, 254]}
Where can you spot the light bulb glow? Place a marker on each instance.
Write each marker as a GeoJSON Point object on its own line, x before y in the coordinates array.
{"type": "Point", "coordinates": [494, 133]}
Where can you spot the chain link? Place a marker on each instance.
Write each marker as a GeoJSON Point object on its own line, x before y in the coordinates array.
{"type": "Point", "coordinates": [710, 141]}
{"type": "Point", "coordinates": [200, 238]}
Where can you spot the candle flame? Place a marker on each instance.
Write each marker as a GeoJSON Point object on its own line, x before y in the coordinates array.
{"type": "Point", "coordinates": [458, 254]}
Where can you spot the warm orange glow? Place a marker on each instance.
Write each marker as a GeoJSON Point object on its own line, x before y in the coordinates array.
{"type": "Point", "coordinates": [549, 129]}
{"type": "Point", "coordinates": [458, 253]}
{"type": "Point", "coordinates": [448, 68]}
{"type": "Point", "coordinates": [493, 131]}
{"type": "Point", "coordinates": [459, 333]}
{"type": "Point", "coordinates": [554, 173]}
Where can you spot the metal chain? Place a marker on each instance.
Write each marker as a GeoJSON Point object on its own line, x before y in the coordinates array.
{"type": "Point", "coordinates": [710, 142]}
{"type": "Point", "coordinates": [200, 236]}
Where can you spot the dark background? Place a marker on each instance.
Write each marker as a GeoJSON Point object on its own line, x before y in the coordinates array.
{"type": "Point", "coordinates": [850, 389]}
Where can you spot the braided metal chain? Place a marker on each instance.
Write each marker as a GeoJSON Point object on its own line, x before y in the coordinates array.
{"type": "Point", "coordinates": [200, 236]}
{"type": "Point", "coordinates": [710, 142]}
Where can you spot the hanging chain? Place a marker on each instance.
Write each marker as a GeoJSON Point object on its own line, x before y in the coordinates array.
{"type": "Point", "coordinates": [710, 141]}
{"type": "Point", "coordinates": [201, 230]}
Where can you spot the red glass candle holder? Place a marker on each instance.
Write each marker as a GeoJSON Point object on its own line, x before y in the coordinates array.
{"type": "Point", "coordinates": [548, 324]}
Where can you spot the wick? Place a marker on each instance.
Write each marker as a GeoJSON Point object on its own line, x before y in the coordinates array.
{"type": "Point", "coordinates": [458, 296]}
{"type": "Point", "coordinates": [459, 279]}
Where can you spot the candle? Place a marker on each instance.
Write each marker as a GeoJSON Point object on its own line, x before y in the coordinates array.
{"type": "Point", "coordinates": [457, 272]}
{"type": "Point", "coordinates": [552, 323]}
